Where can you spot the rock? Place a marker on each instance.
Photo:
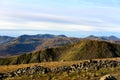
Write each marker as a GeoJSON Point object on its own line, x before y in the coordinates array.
{"type": "Point", "coordinates": [1, 76]}
{"type": "Point", "coordinates": [83, 66]}
{"type": "Point", "coordinates": [108, 77]}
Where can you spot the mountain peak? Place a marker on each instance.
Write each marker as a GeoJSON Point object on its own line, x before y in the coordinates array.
{"type": "Point", "coordinates": [102, 37]}
{"type": "Point", "coordinates": [113, 37]}
{"type": "Point", "coordinates": [42, 36]}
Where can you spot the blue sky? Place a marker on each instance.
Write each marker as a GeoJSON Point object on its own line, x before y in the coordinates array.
{"type": "Point", "coordinates": [77, 18]}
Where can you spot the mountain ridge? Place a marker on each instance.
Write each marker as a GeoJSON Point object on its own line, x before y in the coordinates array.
{"type": "Point", "coordinates": [85, 49]}
{"type": "Point", "coordinates": [103, 37]}
{"type": "Point", "coordinates": [32, 43]}
{"type": "Point", "coordinates": [29, 43]}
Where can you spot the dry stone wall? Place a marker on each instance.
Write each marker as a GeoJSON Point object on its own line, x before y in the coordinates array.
{"type": "Point", "coordinates": [87, 65]}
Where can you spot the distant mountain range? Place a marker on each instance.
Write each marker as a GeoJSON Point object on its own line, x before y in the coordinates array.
{"type": "Point", "coordinates": [28, 43]}
{"type": "Point", "coordinates": [104, 38]}
{"type": "Point", "coordinates": [84, 49]}
{"type": "Point", "coordinates": [10, 46]}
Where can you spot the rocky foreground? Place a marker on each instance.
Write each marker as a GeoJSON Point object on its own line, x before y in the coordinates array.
{"type": "Point", "coordinates": [82, 66]}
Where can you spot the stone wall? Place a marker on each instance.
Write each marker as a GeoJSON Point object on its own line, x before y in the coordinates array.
{"type": "Point", "coordinates": [87, 65]}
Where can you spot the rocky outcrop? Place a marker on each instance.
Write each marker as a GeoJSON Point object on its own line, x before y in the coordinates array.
{"type": "Point", "coordinates": [87, 65]}
{"type": "Point", "coordinates": [28, 71]}
{"type": "Point", "coordinates": [108, 77]}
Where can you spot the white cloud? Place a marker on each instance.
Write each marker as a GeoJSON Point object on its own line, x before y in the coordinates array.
{"type": "Point", "coordinates": [45, 26]}
{"type": "Point", "coordinates": [55, 26]}
{"type": "Point", "coordinates": [33, 16]}
{"type": "Point", "coordinates": [16, 15]}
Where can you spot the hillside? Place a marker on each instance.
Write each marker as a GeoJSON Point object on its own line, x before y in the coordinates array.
{"type": "Point", "coordinates": [85, 49]}
{"type": "Point", "coordinates": [29, 43]}
{"type": "Point", "coordinates": [10, 46]}
{"type": "Point", "coordinates": [111, 39]}
{"type": "Point", "coordinates": [5, 39]}
{"type": "Point", "coordinates": [103, 38]}
{"type": "Point", "coordinates": [94, 69]}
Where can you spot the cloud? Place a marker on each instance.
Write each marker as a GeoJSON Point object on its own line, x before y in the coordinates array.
{"type": "Point", "coordinates": [56, 18]}
{"type": "Point", "coordinates": [44, 26]}
{"type": "Point", "coordinates": [52, 26]}
{"type": "Point", "coordinates": [69, 16]}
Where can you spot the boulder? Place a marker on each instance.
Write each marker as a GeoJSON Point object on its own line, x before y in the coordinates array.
{"type": "Point", "coordinates": [108, 77]}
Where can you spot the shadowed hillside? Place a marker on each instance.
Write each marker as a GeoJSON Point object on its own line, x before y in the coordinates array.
{"type": "Point", "coordinates": [85, 49]}
{"type": "Point", "coordinates": [29, 43]}
{"type": "Point", "coordinates": [5, 39]}
{"type": "Point", "coordinates": [32, 43]}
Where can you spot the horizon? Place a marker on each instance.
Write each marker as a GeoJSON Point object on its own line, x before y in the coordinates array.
{"type": "Point", "coordinates": [74, 18]}
{"type": "Point", "coordinates": [52, 33]}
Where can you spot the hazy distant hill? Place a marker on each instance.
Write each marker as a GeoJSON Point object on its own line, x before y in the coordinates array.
{"type": "Point", "coordinates": [28, 43]}
{"type": "Point", "coordinates": [5, 39]}
{"type": "Point", "coordinates": [84, 49]}
{"type": "Point", "coordinates": [105, 38]}
{"type": "Point", "coordinates": [41, 36]}
{"type": "Point", "coordinates": [112, 39]}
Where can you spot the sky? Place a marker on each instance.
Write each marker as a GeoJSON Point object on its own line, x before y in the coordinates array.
{"type": "Point", "coordinates": [75, 18]}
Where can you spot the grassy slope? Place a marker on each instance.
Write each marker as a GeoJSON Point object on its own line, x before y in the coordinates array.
{"type": "Point", "coordinates": [81, 75]}
{"type": "Point", "coordinates": [88, 49]}
{"type": "Point", "coordinates": [85, 49]}
{"type": "Point", "coordinates": [7, 68]}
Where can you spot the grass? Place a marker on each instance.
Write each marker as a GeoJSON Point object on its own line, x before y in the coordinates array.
{"type": "Point", "coordinates": [85, 49]}
{"type": "Point", "coordinates": [7, 68]}
{"type": "Point", "coordinates": [81, 75]}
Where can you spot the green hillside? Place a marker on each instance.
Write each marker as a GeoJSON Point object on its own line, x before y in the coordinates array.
{"type": "Point", "coordinates": [85, 49]}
